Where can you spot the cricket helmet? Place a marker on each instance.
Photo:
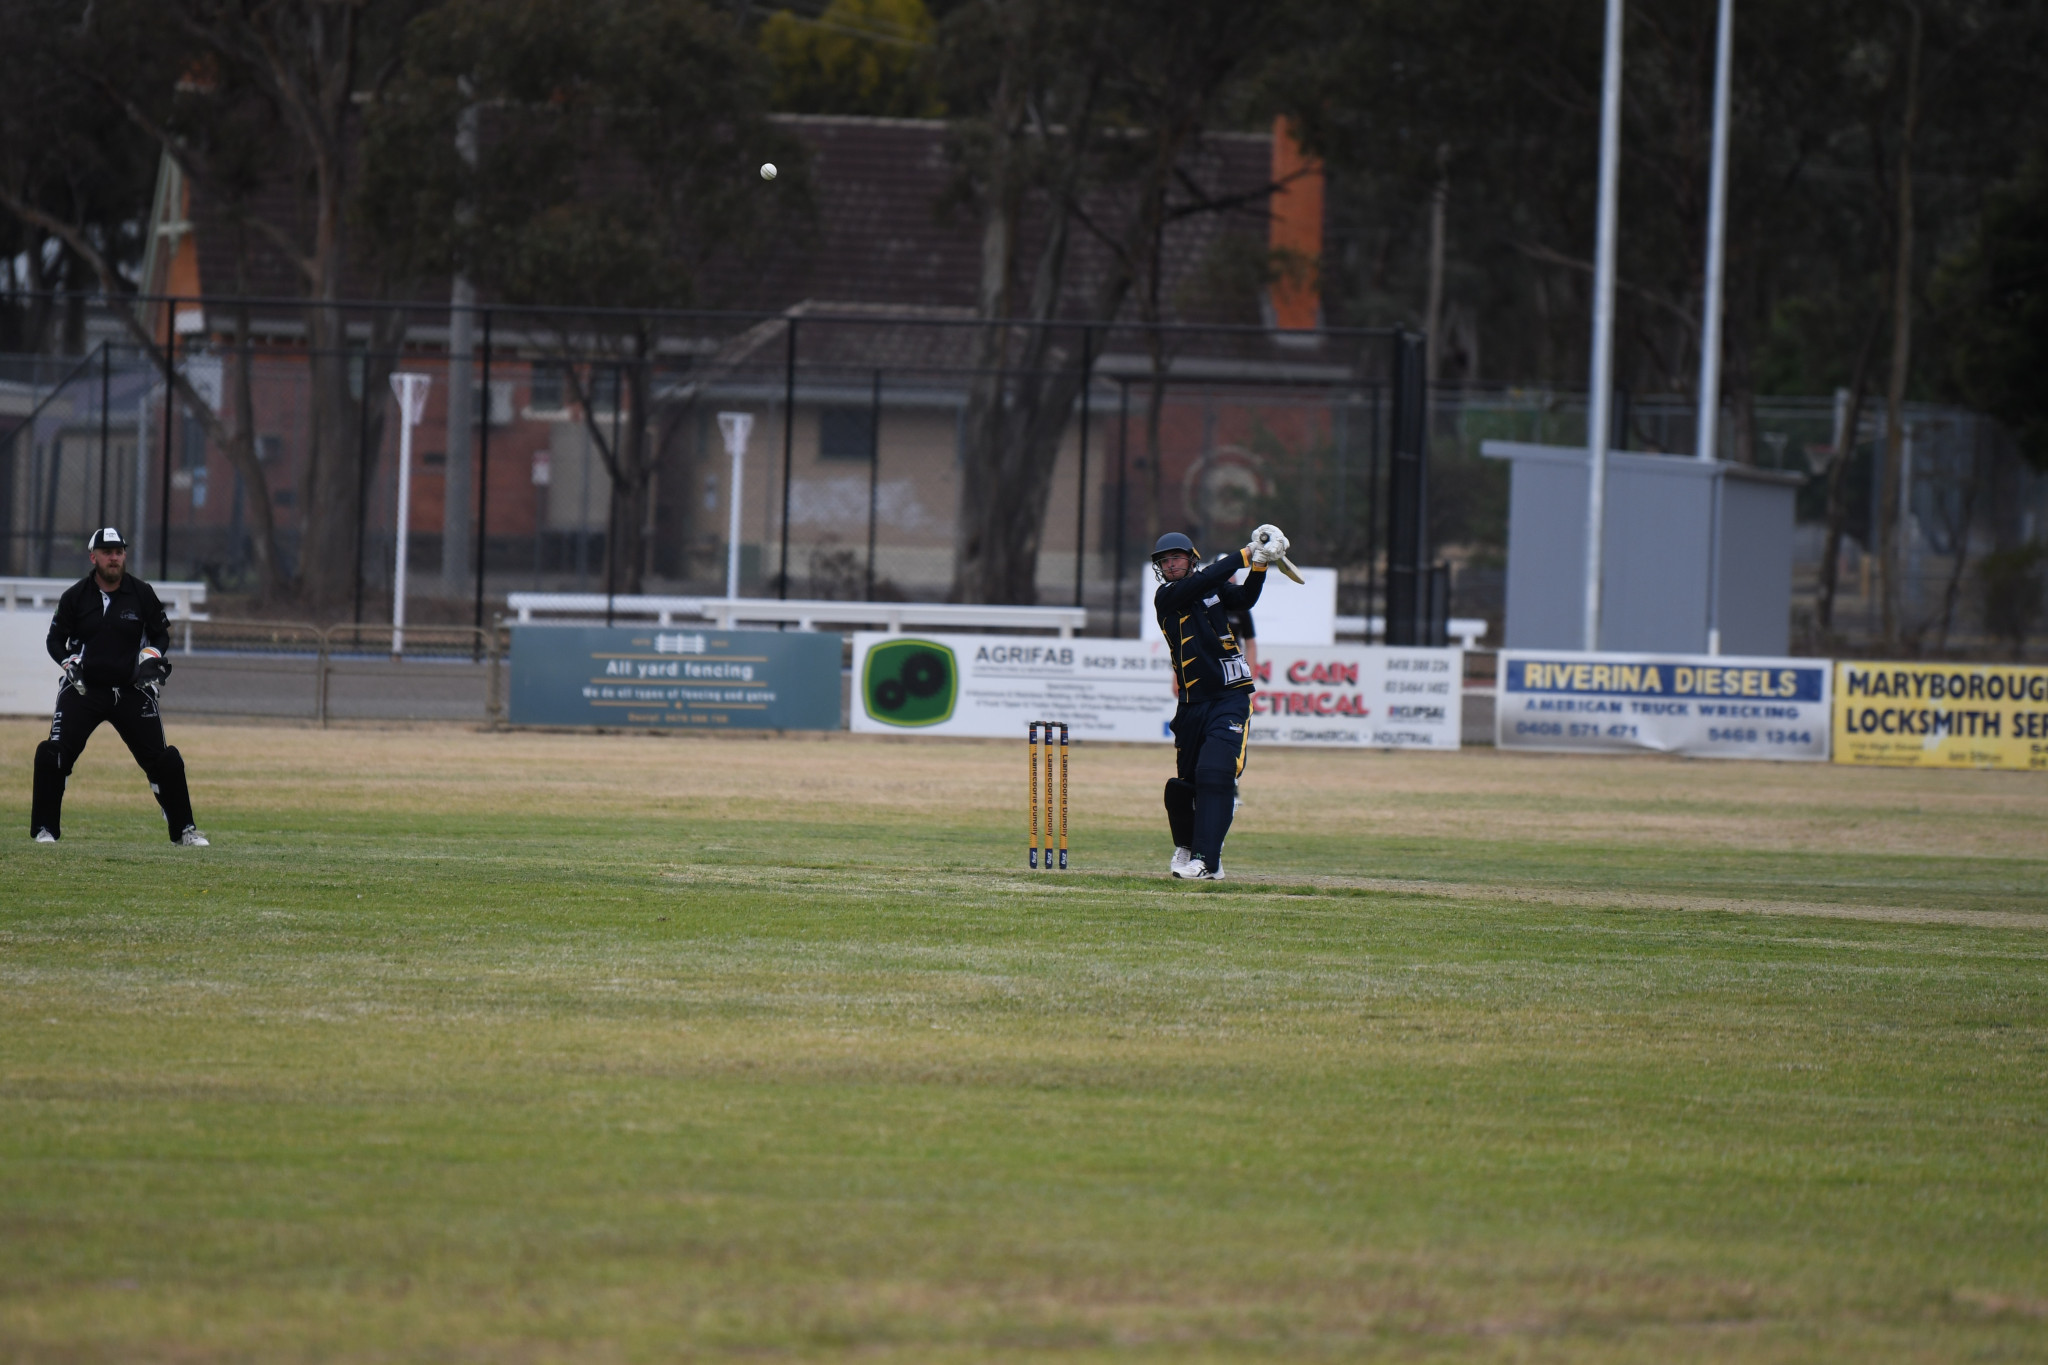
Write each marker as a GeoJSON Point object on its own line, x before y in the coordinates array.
{"type": "Point", "coordinates": [1174, 541]}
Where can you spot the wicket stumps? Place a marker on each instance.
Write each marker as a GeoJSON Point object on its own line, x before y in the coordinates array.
{"type": "Point", "coordinates": [1032, 746]}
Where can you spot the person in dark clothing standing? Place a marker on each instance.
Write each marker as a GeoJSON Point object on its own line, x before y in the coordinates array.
{"type": "Point", "coordinates": [109, 635]}
{"type": "Point", "coordinates": [1212, 724]}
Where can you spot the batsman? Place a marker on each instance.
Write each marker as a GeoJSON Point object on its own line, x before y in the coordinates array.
{"type": "Point", "coordinates": [109, 634]}
{"type": "Point", "coordinates": [1214, 684]}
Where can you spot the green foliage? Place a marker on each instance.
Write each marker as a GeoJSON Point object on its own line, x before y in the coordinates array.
{"type": "Point", "coordinates": [2013, 592]}
{"type": "Point", "coordinates": [67, 152]}
{"type": "Point", "coordinates": [1512, 93]}
{"type": "Point", "coordinates": [618, 147]}
{"type": "Point", "coordinates": [858, 57]}
{"type": "Point", "coordinates": [1999, 288]}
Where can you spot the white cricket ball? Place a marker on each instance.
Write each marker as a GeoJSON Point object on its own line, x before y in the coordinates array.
{"type": "Point", "coordinates": [767, 170]}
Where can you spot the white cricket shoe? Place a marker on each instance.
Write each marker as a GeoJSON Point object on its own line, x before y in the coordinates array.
{"type": "Point", "coordinates": [44, 836]}
{"type": "Point", "coordinates": [192, 838]}
{"type": "Point", "coordinates": [1198, 871]}
{"type": "Point", "coordinates": [1181, 858]}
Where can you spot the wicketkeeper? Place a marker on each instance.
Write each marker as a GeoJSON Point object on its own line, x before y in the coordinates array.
{"type": "Point", "coordinates": [1212, 724]}
{"type": "Point", "coordinates": [109, 636]}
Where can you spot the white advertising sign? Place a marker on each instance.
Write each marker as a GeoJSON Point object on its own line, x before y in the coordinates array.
{"type": "Point", "coordinates": [28, 680]}
{"type": "Point", "coordinates": [993, 685]}
{"type": "Point", "coordinates": [1365, 697]}
{"type": "Point", "coordinates": [1358, 696]}
{"type": "Point", "coordinates": [1708, 706]}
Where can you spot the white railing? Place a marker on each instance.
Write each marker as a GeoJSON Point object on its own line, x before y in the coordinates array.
{"type": "Point", "coordinates": [181, 600]}
{"type": "Point", "coordinates": [1468, 631]}
{"type": "Point", "coordinates": [805, 614]}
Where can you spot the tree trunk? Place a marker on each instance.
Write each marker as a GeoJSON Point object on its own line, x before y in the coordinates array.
{"type": "Point", "coordinates": [1433, 308]}
{"type": "Point", "coordinates": [333, 481]}
{"type": "Point", "coordinates": [1959, 534]}
{"type": "Point", "coordinates": [1838, 481]}
{"type": "Point", "coordinates": [1890, 570]}
{"type": "Point", "coordinates": [1155, 452]}
{"type": "Point", "coordinates": [458, 498]}
{"type": "Point", "coordinates": [979, 523]}
{"type": "Point", "coordinates": [243, 455]}
{"type": "Point", "coordinates": [627, 455]}
{"type": "Point", "coordinates": [629, 563]}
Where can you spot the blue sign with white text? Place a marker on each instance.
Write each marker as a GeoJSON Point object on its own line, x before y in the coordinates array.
{"type": "Point", "coordinates": [1702, 705]}
{"type": "Point", "coordinates": [675, 677]}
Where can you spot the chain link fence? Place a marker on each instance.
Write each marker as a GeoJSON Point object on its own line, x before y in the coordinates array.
{"type": "Point", "coordinates": [287, 670]}
{"type": "Point", "coordinates": [564, 450]}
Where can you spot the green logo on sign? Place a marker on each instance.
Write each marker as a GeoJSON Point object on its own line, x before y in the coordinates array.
{"type": "Point", "coordinates": [909, 682]}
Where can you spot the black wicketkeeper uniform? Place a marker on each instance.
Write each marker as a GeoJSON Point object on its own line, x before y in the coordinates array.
{"type": "Point", "coordinates": [107, 631]}
{"type": "Point", "coordinates": [1212, 724]}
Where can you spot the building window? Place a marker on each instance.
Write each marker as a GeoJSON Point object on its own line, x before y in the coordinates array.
{"type": "Point", "coordinates": [550, 387]}
{"type": "Point", "coordinates": [499, 411]}
{"type": "Point", "coordinates": [601, 382]}
{"type": "Point", "coordinates": [846, 434]}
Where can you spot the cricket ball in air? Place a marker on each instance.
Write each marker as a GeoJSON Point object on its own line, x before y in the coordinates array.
{"type": "Point", "coordinates": [767, 170]}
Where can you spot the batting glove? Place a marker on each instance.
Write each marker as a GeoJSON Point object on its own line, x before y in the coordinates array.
{"type": "Point", "coordinates": [1269, 544]}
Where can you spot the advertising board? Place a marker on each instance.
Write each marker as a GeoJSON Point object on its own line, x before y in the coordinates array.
{"type": "Point", "coordinates": [671, 678]}
{"type": "Point", "coordinates": [1359, 697]}
{"type": "Point", "coordinates": [28, 680]}
{"type": "Point", "coordinates": [993, 685]}
{"type": "Point", "coordinates": [1707, 706]}
{"type": "Point", "coordinates": [1941, 715]}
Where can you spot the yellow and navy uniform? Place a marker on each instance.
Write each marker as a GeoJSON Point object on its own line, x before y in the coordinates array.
{"type": "Point", "coordinates": [1193, 615]}
{"type": "Point", "coordinates": [1212, 724]}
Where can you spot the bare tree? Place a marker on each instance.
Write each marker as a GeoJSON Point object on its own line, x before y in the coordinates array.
{"type": "Point", "coordinates": [1084, 118]}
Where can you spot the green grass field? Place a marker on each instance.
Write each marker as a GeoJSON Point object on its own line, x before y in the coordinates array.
{"type": "Point", "coordinates": [462, 1046]}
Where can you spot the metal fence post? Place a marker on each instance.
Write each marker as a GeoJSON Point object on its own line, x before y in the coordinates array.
{"type": "Point", "coordinates": [163, 549]}
{"type": "Point", "coordinates": [320, 667]}
{"type": "Point", "coordinates": [494, 685]}
{"type": "Point", "coordinates": [1408, 497]}
{"type": "Point", "coordinates": [788, 448]}
{"type": "Point", "coordinates": [483, 474]}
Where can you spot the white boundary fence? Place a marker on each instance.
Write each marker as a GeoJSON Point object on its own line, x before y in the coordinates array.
{"type": "Point", "coordinates": [805, 614]}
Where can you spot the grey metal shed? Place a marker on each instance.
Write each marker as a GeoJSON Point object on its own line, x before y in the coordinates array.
{"type": "Point", "coordinates": [1686, 541]}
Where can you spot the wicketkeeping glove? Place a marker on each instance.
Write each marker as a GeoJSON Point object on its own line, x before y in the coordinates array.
{"type": "Point", "coordinates": [74, 678]}
{"type": "Point", "coordinates": [151, 669]}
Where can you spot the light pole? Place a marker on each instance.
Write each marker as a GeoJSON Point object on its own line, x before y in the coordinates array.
{"type": "Point", "coordinates": [735, 427]}
{"type": "Point", "coordinates": [1600, 406]}
{"type": "Point", "coordinates": [1707, 444]}
{"type": "Point", "coordinates": [411, 389]}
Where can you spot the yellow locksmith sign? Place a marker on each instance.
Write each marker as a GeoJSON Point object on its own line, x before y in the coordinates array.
{"type": "Point", "coordinates": [1935, 715]}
